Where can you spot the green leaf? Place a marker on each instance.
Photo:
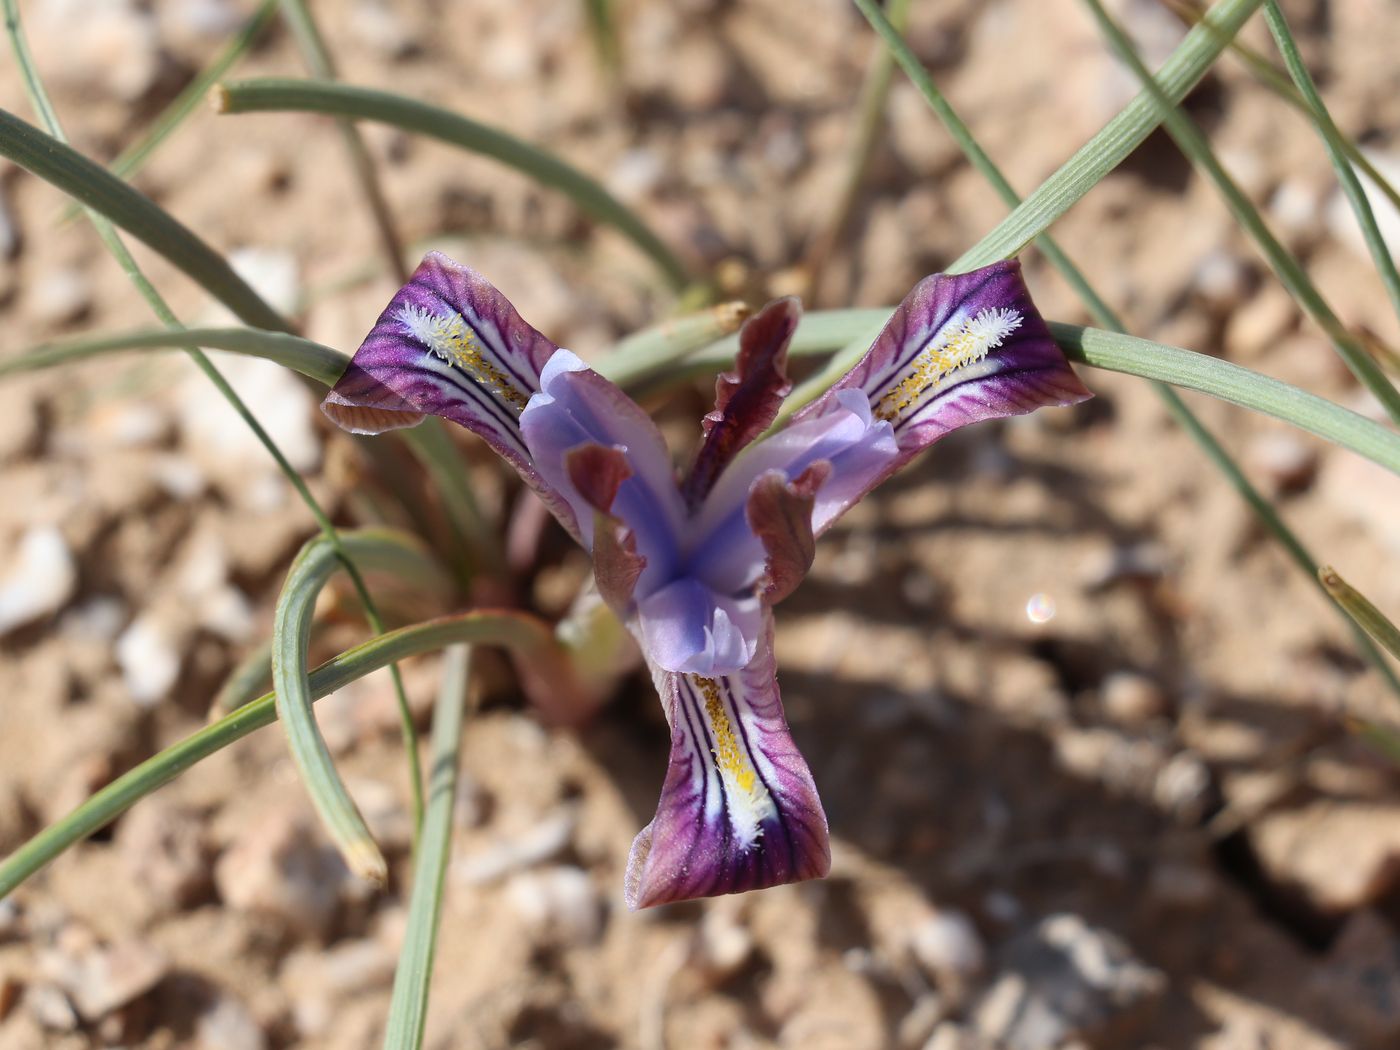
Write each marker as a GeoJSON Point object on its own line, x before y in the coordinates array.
{"type": "Point", "coordinates": [1076, 177]}
{"type": "Point", "coordinates": [133, 158]}
{"type": "Point", "coordinates": [1336, 150]}
{"type": "Point", "coordinates": [818, 333]}
{"type": "Point", "coordinates": [1104, 315]}
{"type": "Point", "coordinates": [1118, 138]}
{"type": "Point", "coordinates": [318, 61]}
{"type": "Point", "coordinates": [342, 100]}
{"type": "Point", "coordinates": [250, 678]}
{"type": "Point", "coordinates": [529, 638]}
{"type": "Point", "coordinates": [408, 1008]}
{"type": "Point", "coordinates": [98, 189]}
{"type": "Point", "coordinates": [1277, 81]}
{"type": "Point", "coordinates": [1229, 382]}
{"type": "Point", "coordinates": [1359, 608]}
{"type": "Point", "coordinates": [1190, 140]}
{"type": "Point", "coordinates": [311, 359]}
{"type": "Point", "coordinates": [653, 350]}
{"type": "Point", "coordinates": [824, 330]}
{"type": "Point", "coordinates": [476, 539]}
{"type": "Point", "coordinates": [291, 638]}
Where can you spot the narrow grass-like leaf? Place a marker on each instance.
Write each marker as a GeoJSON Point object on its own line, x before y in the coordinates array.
{"type": "Point", "coordinates": [311, 359]}
{"type": "Point", "coordinates": [655, 349]}
{"type": "Point", "coordinates": [250, 678]}
{"type": "Point", "coordinates": [1360, 609]}
{"type": "Point", "coordinates": [318, 61]}
{"type": "Point", "coordinates": [823, 331]}
{"type": "Point", "coordinates": [358, 103]}
{"type": "Point", "coordinates": [1277, 80]}
{"type": "Point", "coordinates": [61, 160]}
{"type": "Point", "coordinates": [91, 185]}
{"type": "Point", "coordinates": [526, 636]}
{"type": "Point", "coordinates": [408, 1007]}
{"type": "Point", "coordinates": [1196, 147]}
{"type": "Point", "coordinates": [818, 334]}
{"type": "Point", "coordinates": [1073, 179]}
{"type": "Point", "coordinates": [133, 158]}
{"type": "Point", "coordinates": [1105, 316]}
{"type": "Point", "coordinates": [1333, 139]}
{"type": "Point", "coordinates": [603, 30]}
{"type": "Point", "coordinates": [869, 126]}
{"type": "Point", "coordinates": [1118, 138]}
{"type": "Point", "coordinates": [315, 361]}
{"type": "Point", "coordinates": [476, 539]}
{"type": "Point", "coordinates": [1229, 382]}
{"type": "Point", "coordinates": [291, 638]}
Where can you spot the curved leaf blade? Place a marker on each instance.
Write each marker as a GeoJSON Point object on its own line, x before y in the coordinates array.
{"type": "Point", "coordinates": [519, 632]}
{"type": "Point", "coordinates": [92, 185]}
{"type": "Point", "coordinates": [291, 637]}
{"type": "Point", "coordinates": [342, 100]}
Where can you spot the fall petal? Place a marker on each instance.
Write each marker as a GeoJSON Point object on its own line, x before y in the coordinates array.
{"type": "Point", "coordinates": [448, 344]}
{"type": "Point", "coordinates": [738, 810]}
{"type": "Point", "coordinates": [960, 349]}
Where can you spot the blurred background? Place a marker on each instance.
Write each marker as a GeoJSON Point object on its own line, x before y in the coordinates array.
{"type": "Point", "coordinates": [1080, 728]}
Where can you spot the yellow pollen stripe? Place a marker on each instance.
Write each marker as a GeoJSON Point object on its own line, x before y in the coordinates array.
{"type": "Point", "coordinates": [968, 344]}
{"type": "Point", "coordinates": [729, 756]}
{"type": "Point", "coordinates": [451, 339]}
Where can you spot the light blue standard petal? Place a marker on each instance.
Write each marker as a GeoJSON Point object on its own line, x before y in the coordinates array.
{"type": "Point", "coordinates": [576, 406]}
{"type": "Point", "coordinates": [687, 627]}
{"type": "Point", "coordinates": [722, 547]}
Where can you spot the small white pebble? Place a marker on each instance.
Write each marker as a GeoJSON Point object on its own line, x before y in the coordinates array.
{"type": "Point", "coordinates": [41, 580]}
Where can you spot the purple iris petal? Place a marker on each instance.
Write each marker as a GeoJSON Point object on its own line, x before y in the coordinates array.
{"type": "Point", "coordinates": [576, 406]}
{"type": "Point", "coordinates": [960, 349]}
{"type": "Point", "coordinates": [738, 810]}
{"type": "Point", "coordinates": [449, 344]}
{"type": "Point", "coordinates": [695, 570]}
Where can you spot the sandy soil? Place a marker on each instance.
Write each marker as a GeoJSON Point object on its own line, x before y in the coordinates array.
{"type": "Point", "coordinates": [1140, 823]}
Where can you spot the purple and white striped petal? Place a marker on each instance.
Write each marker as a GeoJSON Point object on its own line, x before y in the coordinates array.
{"type": "Point", "coordinates": [738, 810]}
{"type": "Point", "coordinates": [448, 344]}
{"type": "Point", "coordinates": [747, 399]}
{"type": "Point", "coordinates": [960, 349]}
{"type": "Point", "coordinates": [576, 407]}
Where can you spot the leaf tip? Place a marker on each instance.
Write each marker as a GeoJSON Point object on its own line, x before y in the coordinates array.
{"type": "Point", "coordinates": [364, 859]}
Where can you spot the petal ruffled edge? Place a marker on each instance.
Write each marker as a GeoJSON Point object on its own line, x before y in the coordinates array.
{"type": "Point", "coordinates": [747, 399]}
{"type": "Point", "coordinates": [780, 513]}
{"type": "Point", "coordinates": [739, 810]}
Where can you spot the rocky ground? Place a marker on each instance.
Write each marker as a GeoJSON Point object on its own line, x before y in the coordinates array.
{"type": "Point", "coordinates": [1137, 821]}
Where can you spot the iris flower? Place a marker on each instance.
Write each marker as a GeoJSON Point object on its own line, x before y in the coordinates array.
{"type": "Point", "coordinates": [694, 564]}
